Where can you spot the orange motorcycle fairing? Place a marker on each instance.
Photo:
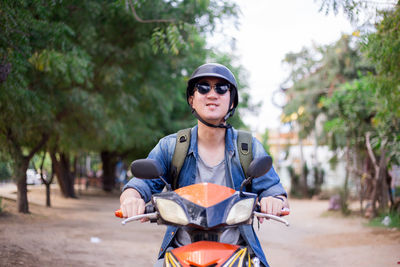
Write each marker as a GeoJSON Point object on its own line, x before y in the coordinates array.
{"type": "Point", "coordinates": [205, 194]}
{"type": "Point", "coordinates": [208, 254]}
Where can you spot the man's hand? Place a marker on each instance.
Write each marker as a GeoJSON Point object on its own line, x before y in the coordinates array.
{"type": "Point", "coordinates": [273, 206]}
{"type": "Point", "coordinates": [131, 203]}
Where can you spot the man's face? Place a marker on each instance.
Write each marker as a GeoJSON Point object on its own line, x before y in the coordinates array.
{"type": "Point", "coordinates": [211, 106]}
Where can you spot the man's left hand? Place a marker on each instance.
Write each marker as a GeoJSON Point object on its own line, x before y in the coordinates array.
{"type": "Point", "coordinates": [272, 205]}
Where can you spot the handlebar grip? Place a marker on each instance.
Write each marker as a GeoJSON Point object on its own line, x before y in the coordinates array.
{"type": "Point", "coordinates": [118, 213]}
{"type": "Point", "coordinates": [284, 211]}
{"type": "Point", "coordinates": [148, 209]}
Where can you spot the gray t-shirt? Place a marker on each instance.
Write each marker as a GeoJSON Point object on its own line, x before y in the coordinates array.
{"type": "Point", "coordinates": [215, 175]}
{"type": "Point", "coordinates": [208, 174]}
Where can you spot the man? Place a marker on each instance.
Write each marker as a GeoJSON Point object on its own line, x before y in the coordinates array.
{"type": "Point", "coordinates": [212, 157]}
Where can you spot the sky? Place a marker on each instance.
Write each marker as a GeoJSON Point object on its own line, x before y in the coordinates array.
{"type": "Point", "coordinates": [267, 31]}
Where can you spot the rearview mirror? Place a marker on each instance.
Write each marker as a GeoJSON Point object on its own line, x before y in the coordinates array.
{"type": "Point", "coordinates": [259, 166]}
{"type": "Point", "coordinates": [146, 169]}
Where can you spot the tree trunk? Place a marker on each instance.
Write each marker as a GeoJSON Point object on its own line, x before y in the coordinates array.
{"type": "Point", "coordinates": [58, 172]}
{"type": "Point", "coordinates": [345, 193]}
{"type": "Point", "coordinates": [383, 187]}
{"type": "Point", "coordinates": [380, 190]}
{"type": "Point", "coordinates": [48, 201]}
{"type": "Point", "coordinates": [356, 166]}
{"type": "Point", "coordinates": [109, 161]}
{"type": "Point", "coordinates": [47, 182]}
{"type": "Point", "coordinates": [68, 175]}
{"type": "Point", "coordinates": [20, 166]}
{"type": "Point", "coordinates": [20, 173]}
{"type": "Point", "coordinates": [375, 183]}
{"type": "Point", "coordinates": [64, 176]}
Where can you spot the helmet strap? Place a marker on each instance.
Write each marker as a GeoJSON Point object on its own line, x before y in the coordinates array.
{"type": "Point", "coordinates": [229, 114]}
{"type": "Point", "coordinates": [221, 125]}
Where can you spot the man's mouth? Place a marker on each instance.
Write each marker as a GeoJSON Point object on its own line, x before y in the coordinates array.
{"type": "Point", "coordinates": [211, 105]}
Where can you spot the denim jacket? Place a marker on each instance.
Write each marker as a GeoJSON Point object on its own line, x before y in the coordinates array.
{"type": "Point", "coordinates": [267, 185]}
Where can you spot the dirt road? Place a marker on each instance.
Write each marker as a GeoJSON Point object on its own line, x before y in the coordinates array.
{"type": "Point", "coordinates": [84, 232]}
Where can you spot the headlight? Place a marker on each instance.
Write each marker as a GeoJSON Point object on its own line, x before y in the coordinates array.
{"type": "Point", "coordinates": [241, 211]}
{"type": "Point", "coordinates": [170, 211]}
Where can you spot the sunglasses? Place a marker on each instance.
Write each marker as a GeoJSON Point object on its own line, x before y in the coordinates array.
{"type": "Point", "coordinates": [204, 87]}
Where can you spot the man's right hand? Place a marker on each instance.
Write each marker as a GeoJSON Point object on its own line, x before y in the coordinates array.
{"type": "Point", "coordinates": [131, 203]}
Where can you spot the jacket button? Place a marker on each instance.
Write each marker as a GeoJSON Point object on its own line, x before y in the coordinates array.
{"type": "Point", "coordinates": [172, 233]}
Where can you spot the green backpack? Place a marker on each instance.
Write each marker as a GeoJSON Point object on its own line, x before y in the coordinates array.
{"type": "Point", "coordinates": [244, 143]}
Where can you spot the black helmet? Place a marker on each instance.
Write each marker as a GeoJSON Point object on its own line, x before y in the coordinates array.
{"type": "Point", "coordinates": [218, 71]}
{"type": "Point", "coordinates": [213, 70]}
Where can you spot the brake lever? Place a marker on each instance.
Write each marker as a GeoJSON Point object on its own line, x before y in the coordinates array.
{"type": "Point", "coordinates": [284, 212]}
{"type": "Point", "coordinates": [272, 217]}
{"type": "Point", "coordinates": [149, 216]}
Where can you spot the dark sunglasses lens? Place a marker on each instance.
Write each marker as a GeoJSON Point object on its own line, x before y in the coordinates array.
{"type": "Point", "coordinates": [203, 88]}
{"type": "Point", "coordinates": [221, 88]}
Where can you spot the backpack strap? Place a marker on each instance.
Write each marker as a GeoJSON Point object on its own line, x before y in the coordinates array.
{"type": "Point", "coordinates": [245, 145]}
{"type": "Point", "coordinates": [181, 148]}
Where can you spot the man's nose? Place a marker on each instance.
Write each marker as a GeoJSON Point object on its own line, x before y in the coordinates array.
{"type": "Point", "coordinates": [212, 92]}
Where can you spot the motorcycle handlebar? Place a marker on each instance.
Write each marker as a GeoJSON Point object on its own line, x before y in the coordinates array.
{"type": "Point", "coordinates": [150, 216]}
{"type": "Point", "coordinates": [272, 217]}
{"type": "Point", "coordinates": [284, 211]}
{"type": "Point", "coordinates": [118, 213]}
{"type": "Point", "coordinates": [148, 209]}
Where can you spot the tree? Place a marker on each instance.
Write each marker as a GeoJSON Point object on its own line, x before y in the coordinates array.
{"type": "Point", "coordinates": [316, 73]}
{"type": "Point", "coordinates": [356, 11]}
{"type": "Point", "coordinates": [349, 111]}
{"type": "Point", "coordinates": [27, 46]}
{"type": "Point", "coordinates": [106, 77]}
{"type": "Point", "coordinates": [381, 48]}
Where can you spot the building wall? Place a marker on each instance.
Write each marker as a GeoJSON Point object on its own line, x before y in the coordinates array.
{"type": "Point", "coordinates": [286, 151]}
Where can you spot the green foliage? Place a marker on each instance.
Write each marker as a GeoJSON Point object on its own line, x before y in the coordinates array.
{"type": "Point", "coordinates": [5, 171]}
{"type": "Point", "coordinates": [383, 49]}
{"type": "Point", "coordinates": [350, 110]}
{"type": "Point", "coordinates": [351, 8]}
{"type": "Point", "coordinates": [372, 102]}
{"type": "Point", "coordinates": [354, 85]}
{"type": "Point", "coordinates": [394, 219]}
{"type": "Point", "coordinates": [357, 11]}
{"type": "Point", "coordinates": [107, 75]}
{"type": "Point", "coordinates": [315, 73]}
{"type": "Point", "coordinates": [295, 190]}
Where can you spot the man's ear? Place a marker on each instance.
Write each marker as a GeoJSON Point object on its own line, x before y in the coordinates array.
{"type": "Point", "coordinates": [191, 100]}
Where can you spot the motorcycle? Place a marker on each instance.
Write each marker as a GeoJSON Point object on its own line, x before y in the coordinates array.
{"type": "Point", "coordinates": [204, 210]}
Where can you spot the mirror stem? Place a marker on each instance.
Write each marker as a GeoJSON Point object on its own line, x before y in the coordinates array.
{"type": "Point", "coordinates": [245, 182]}
{"type": "Point", "coordinates": [166, 184]}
